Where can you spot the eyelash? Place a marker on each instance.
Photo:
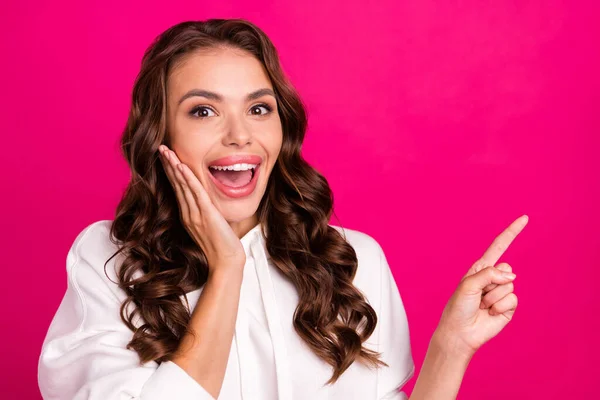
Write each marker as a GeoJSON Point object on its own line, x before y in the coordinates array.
{"type": "Point", "coordinates": [198, 108]}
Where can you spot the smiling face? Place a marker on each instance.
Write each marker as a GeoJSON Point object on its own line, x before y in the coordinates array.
{"type": "Point", "coordinates": [223, 123]}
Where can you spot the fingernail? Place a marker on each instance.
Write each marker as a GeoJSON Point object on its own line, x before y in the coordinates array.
{"type": "Point", "coordinates": [180, 166]}
{"type": "Point", "coordinates": [167, 155]}
{"type": "Point", "coordinates": [508, 275]}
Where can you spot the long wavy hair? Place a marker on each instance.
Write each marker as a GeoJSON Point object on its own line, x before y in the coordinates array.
{"type": "Point", "coordinates": [161, 261]}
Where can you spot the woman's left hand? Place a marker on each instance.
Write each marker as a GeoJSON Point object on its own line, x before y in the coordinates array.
{"type": "Point", "coordinates": [484, 302]}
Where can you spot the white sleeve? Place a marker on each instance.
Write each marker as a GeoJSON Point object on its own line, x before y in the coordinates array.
{"type": "Point", "coordinates": [394, 339]}
{"type": "Point", "coordinates": [84, 353]}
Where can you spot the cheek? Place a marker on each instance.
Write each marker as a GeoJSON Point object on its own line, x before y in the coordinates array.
{"type": "Point", "coordinates": [274, 143]}
{"type": "Point", "coordinates": [270, 139]}
{"type": "Point", "coordinates": [191, 136]}
{"type": "Point", "coordinates": [193, 154]}
{"type": "Point", "coordinates": [276, 149]}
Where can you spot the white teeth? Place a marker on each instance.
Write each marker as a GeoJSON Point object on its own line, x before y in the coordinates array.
{"type": "Point", "coordinates": [235, 167]}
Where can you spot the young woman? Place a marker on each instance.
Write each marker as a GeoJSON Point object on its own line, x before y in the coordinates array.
{"type": "Point", "coordinates": [220, 275]}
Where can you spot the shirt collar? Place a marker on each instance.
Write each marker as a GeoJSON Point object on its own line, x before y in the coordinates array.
{"type": "Point", "coordinates": [253, 234]}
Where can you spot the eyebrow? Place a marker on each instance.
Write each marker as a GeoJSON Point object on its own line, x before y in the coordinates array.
{"type": "Point", "coordinates": [217, 97]}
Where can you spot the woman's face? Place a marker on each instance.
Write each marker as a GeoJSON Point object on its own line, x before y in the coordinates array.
{"type": "Point", "coordinates": [223, 123]}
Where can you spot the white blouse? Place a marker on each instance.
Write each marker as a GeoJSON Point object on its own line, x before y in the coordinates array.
{"type": "Point", "coordinates": [84, 353]}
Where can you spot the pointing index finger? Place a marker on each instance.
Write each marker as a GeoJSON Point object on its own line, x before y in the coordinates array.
{"type": "Point", "coordinates": [502, 241]}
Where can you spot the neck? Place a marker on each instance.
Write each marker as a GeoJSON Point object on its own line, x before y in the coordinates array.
{"type": "Point", "coordinates": [242, 227]}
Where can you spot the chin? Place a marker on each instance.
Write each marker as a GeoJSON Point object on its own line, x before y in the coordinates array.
{"type": "Point", "coordinates": [237, 210]}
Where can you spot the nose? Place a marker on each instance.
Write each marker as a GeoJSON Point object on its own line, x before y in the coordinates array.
{"type": "Point", "coordinates": [238, 134]}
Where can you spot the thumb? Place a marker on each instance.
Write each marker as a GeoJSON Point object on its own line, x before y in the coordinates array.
{"type": "Point", "coordinates": [474, 284]}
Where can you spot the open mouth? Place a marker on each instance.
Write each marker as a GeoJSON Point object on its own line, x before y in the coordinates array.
{"type": "Point", "coordinates": [235, 175]}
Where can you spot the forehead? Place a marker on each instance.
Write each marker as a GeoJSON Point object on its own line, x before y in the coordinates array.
{"type": "Point", "coordinates": [230, 72]}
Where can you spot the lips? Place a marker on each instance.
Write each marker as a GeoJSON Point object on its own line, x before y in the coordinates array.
{"type": "Point", "coordinates": [236, 159]}
{"type": "Point", "coordinates": [236, 175]}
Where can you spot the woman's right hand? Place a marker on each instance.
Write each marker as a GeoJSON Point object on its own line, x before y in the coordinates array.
{"type": "Point", "coordinates": [202, 220]}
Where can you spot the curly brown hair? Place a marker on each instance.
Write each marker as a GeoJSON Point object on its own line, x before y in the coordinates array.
{"type": "Point", "coordinates": [162, 262]}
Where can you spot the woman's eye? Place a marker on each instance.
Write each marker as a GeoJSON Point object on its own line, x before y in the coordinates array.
{"type": "Point", "coordinates": [258, 107]}
{"type": "Point", "coordinates": [201, 112]}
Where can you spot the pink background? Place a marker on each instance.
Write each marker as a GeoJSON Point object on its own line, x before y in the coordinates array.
{"type": "Point", "coordinates": [436, 124]}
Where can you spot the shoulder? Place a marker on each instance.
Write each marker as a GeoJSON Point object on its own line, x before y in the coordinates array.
{"type": "Point", "coordinates": [365, 246]}
{"type": "Point", "coordinates": [92, 243]}
{"type": "Point", "coordinates": [94, 233]}
{"type": "Point", "coordinates": [370, 256]}
{"type": "Point", "coordinates": [91, 260]}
